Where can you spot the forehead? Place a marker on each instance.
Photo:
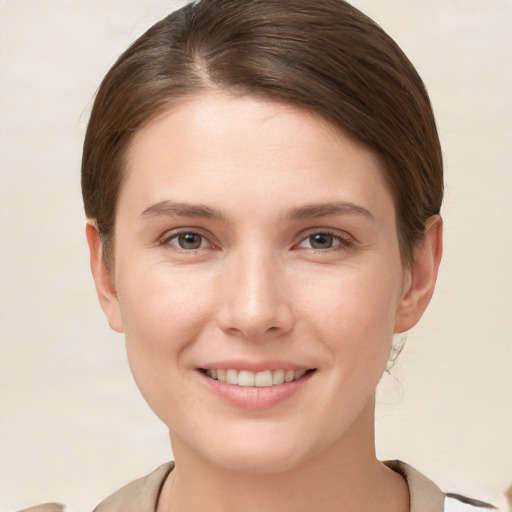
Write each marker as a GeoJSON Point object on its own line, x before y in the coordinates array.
{"type": "Point", "coordinates": [243, 147]}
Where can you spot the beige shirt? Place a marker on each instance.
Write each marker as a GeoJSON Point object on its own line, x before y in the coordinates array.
{"type": "Point", "coordinates": [142, 494]}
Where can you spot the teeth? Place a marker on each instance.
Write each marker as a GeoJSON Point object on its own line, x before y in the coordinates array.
{"type": "Point", "coordinates": [299, 374]}
{"type": "Point", "coordinates": [247, 378]}
{"type": "Point", "coordinates": [289, 375]}
{"type": "Point", "coordinates": [263, 379]}
{"type": "Point", "coordinates": [232, 377]}
{"type": "Point", "coordinates": [278, 377]}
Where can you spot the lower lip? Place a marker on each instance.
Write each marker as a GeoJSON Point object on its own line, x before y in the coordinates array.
{"type": "Point", "coordinates": [251, 397]}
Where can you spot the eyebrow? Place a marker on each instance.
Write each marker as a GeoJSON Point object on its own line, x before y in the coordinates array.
{"type": "Point", "coordinates": [325, 209]}
{"type": "Point", "coordinates": [171, 208]}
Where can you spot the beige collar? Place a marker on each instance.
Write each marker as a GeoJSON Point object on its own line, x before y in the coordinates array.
{"type": "Point", "coordinates": [425, 496]}
{"type": "Point", "coordinates": [140, 495]}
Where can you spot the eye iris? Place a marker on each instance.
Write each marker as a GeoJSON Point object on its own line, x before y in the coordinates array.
{"type": "Point", "coordinates": [189, 241]}
{"type": "Point", "coordinates": [321, 241]}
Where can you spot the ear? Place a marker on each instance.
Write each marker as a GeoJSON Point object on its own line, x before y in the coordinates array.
{"type": "Point", "coordinates": [105, 288]}
{"type": "Point", "coordinates": [420, 282]}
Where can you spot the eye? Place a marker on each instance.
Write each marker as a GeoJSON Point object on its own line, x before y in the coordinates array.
{"type": "Point", "coordinates": [323, 240]}
{"type": "Point", "coordinates": [187, 241]}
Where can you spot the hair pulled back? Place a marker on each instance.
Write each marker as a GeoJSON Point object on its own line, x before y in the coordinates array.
{"type": "Point", "coordinates": [324, 56]}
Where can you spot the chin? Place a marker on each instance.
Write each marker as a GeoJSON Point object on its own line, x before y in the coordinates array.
{"type": "Point", "coordinates": [250, 451]}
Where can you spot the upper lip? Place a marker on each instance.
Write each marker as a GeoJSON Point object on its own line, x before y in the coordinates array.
{"type": "Point", "coordinates": [254, 366]}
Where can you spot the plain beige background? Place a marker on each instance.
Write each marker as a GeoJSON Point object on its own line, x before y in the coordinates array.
{"type": "Point", "coordinates": [73, 426]}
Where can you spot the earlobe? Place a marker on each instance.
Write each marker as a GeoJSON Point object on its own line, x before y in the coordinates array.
{"type": "Point", "coordinates": [423, 275]}
{"type": "Point", "coordinates": [105, 288]}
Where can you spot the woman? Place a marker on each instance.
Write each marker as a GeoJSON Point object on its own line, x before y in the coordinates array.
{"type": "Point", "coordinates": [263, 182]}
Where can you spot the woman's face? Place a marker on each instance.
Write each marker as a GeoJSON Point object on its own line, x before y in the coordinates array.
{"type": "Point", "coordinates": [255, 242]}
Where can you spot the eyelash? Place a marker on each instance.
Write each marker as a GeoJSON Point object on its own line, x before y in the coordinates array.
{"type": "Point", "coordinates": [343, 242]}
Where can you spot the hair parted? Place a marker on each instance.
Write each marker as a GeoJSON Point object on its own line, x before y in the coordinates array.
{"type": "Point", "coordinates": [324, 56]}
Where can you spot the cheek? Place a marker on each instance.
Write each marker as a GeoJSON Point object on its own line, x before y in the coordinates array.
{"type": "Point", "coordinates": [356, 321]}
{"type": "Point", "coordinates": [355, 300]}
{"type": "Point", "coordinates": [160, 308]}
{"type": "Point", "coordinates": [163, 314]}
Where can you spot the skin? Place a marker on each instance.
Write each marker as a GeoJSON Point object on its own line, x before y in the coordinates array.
{"type": "Point", "coordinates": [259, 288]}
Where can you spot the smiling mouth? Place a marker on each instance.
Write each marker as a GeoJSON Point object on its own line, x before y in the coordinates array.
{"type": "Point", "coordinates": [263, 379]}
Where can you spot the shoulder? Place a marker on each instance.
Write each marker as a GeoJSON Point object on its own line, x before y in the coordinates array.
{"type": "Point", "coordinates": [140, 495]}
{"type": "Point", "coordinates": [425, 496]}
{"type": "Point", "coordinates": [46, 507]}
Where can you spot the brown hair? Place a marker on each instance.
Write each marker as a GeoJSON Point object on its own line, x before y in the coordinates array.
{"type": "Point", "coordinates": [322, 55]}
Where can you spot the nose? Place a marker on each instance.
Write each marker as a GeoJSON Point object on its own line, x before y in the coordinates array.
{"type": "Point", "coordinates": [255, 301]}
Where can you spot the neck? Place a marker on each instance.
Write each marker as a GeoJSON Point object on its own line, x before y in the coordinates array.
{"type": "Point", "coordinates": [346, 477]}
